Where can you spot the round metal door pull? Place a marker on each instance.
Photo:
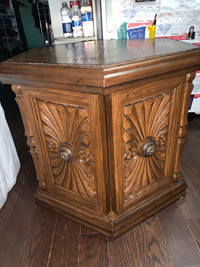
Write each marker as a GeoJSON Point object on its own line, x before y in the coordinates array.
{"type": "Point", "coordinates": [147, 147]}
{"type": "Point", "coordinates": [66, 154]}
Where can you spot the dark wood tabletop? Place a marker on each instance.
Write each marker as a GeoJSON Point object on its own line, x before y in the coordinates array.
{"type": "Point", "coordinates": [102, 53]}
{"type": "Point", "coordinates": [99, 63]}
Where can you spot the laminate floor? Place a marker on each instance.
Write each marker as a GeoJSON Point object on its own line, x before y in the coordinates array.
{"type": "Point", "coordinates": [31, 235]}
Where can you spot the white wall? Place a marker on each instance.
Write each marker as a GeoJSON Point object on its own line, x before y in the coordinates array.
{"type": "Point", "coordinates": [179, 14]}
{"type": "Point", "coordinates": [55, 6]}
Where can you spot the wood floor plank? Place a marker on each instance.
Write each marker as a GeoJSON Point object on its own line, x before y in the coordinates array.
{"type": "Point", "coordinates": [194, 226]}
{"type": "Point", "coordinates": [190, 205]}
{"type": "Point", "coordinates": [87, 231]}
{"type": "Point", "coordinates": [14, 233]}
{"type": "Point", "coordinates": [191, 156]}
{"type": "Point", "coordinates": [179, 240]}
{"type": "Point", "coordinates": [151, 244]}
{"type": "Point", "coordinates": [65, 249]}
{"type": "Point", "coordinates": [123, 251]}
{"type": "Point", "coordinates": [27, 170]}
{"type": "Point", "coordinates": [93, 251]}
{"type": "Point", "coordinates": [191, 171]}
{"type": "Point", "coordinates": [37, 246]}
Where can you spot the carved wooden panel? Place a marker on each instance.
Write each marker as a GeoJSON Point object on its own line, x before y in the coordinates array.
{"type": "Point", "coordinates": [145, 129]}
{"type": "Point", "coordinates": [68, 127]}
{"type": "Point", "coordinates": [145, 134]}
{"type": "Point", "coordinates": [71, 145]}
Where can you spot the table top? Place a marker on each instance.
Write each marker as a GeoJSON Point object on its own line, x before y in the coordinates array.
{"type": "Point", "coordinates": [102, 53]}
{"type": "Point", "coordinates": [100, 63]}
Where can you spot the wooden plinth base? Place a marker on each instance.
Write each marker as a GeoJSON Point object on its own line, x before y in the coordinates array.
{"type": "Point", "coordinates": [122, 222]}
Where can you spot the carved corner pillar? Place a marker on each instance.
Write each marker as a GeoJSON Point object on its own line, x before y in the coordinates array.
{"type": "Point", "coordinates": [29, 134]}
{"type": "Point", "coordinates": [187, 89]}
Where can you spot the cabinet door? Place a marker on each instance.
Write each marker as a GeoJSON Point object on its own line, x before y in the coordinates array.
{"type": "Point", "coordinates": [68, 137]}
{"type": "Point", "coordinates": [145, 125]}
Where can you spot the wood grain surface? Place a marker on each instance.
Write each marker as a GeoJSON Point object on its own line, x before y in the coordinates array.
{"type": "Point", "coordinates": [166, 239]}
{"type": "Point", "coordinates": [65, 244]}
{"type": "Point", "coordinates": [152, 249]}
{"type": "Point", "coordinates": [107, 151]}
{"type": "Point", "coordinates": [124, 250]}
{"type": "Point", "coordinates": [102, 52]}
{"type": "Point", "coordinates": [37, 247]}
{"type": "Point", "coordinates": [99, 63]}
{"type": "Point", "coordinates": [93, 249]}
{"type": "Point", "coordinates": [180, 243]}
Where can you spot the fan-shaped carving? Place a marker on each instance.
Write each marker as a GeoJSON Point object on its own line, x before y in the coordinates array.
{"type": "Point", "coordinates": [144, 120]}
{"type": "Point", "coordinates": [68, 126]}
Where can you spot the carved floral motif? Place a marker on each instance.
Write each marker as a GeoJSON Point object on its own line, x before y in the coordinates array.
{"type": "Point", "coordinates": [143, 121]}
{"type": "Point", "coordinates": [66, 131]}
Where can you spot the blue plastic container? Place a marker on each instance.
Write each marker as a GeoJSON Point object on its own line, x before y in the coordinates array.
{"type": "Point", "coordinates": [137, 33]}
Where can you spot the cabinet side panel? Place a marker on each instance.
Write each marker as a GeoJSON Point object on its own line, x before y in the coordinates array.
{"type": "Point", "coordinates": [69, 133]}
{"type": "Point", "coordinates": [145, 124]}
{"type": "Point", "coordinates": [145, 133]}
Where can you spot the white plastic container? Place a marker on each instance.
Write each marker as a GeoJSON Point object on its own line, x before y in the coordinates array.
{"type": "Point", "coordinates": [66, 21]}
{"type": "Point", "coordinates": [76, 22]}
{"type": "Point", "coordinates": [87, 21]}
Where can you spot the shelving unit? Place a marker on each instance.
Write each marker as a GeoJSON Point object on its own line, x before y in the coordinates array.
{"type": "Point", "coordinates": [10, 43]}
{"type": "Point", "coordinates": [43, 19]}
{"type": "Point", "coordinates": [55, 7]}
